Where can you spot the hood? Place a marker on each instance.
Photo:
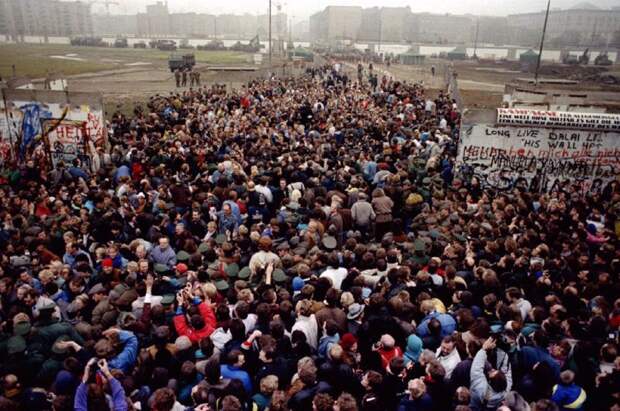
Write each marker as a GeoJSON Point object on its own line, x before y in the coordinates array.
{"type": "Point", "coordinates": [414, 348]}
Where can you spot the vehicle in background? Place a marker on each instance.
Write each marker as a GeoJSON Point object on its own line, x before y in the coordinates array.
{"type": "Point", "coordinates": [181, 61]}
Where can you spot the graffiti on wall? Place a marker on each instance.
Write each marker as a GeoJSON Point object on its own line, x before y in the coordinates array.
{"type": "Point", "coordinates": [10, 129]}
{"type": "Point", "coordinates": [32, 116]}
{"type": "Point", "coordinates": [65, 131]}
{"type": "Point", "coordinates": [538, 158]}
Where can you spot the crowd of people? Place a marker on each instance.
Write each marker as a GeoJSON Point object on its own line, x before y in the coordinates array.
{"type": "Point", "coordinates": [301, 243]}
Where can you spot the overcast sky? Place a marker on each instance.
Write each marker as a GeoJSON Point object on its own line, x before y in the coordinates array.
{"type": "Point", "coordinates": [301, 9]}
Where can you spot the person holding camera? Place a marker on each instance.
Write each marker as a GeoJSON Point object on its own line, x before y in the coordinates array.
{"type": "Point", "coordinates": [489, 385]}
{"type": "Point", "coordinates": [202, 321]}
{"type": "Point", "coordinates": [91, 395]}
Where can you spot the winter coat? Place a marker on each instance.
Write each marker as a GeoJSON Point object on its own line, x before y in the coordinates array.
{"type": "Point", "coordinates": [183, 328]}
{"type": "Point", "coordinates": [483, 397]}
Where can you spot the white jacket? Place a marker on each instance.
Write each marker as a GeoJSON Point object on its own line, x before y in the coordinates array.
{"type": "Point", "coordinates": [308, 326]}
{"type": "Point", "coordinates": [449, 362]}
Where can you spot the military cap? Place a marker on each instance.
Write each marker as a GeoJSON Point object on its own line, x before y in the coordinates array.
{"type": "Point", "coordinates": [22, 328]}
{"type": "Point", "coordinates": [329, 242]}
{"type": "Point", "coordinates": [167, 299]}
{"type": "Point", "coordinates": [460, 237]}
{"type": "Point", "coordinates": [220, 239]}
{"type": "Point", "coordinates": [244, 273]}
{"type": "Point", "coordinates": [161, 268]}
{"type": "Point", "coordinates": [222, 285]}
{"type": "Point", "coordinates": [16, 344]}
{"type": "Point", "coordinates": [232, 270]}
{"type": "Point", "coordinates": [278, 276]}
{"type": "Point", "coordinates": [182, 256]}
{"type": "Point", "coordinates": [44, 303]}
{"type": "Point", "coordinates": [203, 248]}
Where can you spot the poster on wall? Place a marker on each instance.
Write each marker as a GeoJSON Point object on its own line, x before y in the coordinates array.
{"type": "Point", "coordinates": [51, 120]}
{"type": "Point", "coordinates": [540, 158]}
{"type": "Point", "coordinates": [74, 136]}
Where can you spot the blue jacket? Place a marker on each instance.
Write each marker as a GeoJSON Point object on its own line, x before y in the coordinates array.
{"type": "Point", "coordinates": [569, 397]}
{"type": "Point", "coordinates": [325, 343]}
{"type": "Point", "coordinates": [118, 397]}
{"type": "Point", "coordinates": [77, 172]}
{"type": "Point", "coordinates": [448, 324]}
{"type": "Point", "coordinates": [533, 355]}
{"type": "Point", "coordinates": [127, 358]}
{"type": "Point", "coordinates": [235, 373]}
{"type": "Point", "coordinates": [167, 257]}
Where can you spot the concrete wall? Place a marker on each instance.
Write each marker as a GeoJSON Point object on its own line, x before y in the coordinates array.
{"type": "Point", "coordinates": [540, 150]}
{"type": "Point", "coordinates": [65, 125]}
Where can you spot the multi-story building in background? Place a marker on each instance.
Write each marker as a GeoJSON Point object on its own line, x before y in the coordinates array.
{"type": "Point", "coordinates": [582, 25]}
{"type": "Point", "coordinates": [370, 27]}
{"type": "Point", "coordinates": [20, 18]}
{"type": "Point", "coordinates": [441, 28]}
{"type": "Point", "coordinates": [387, 24]}
{"type": "Point", "coordinates": [156, 20]}
{"type": "Point", "coordinates": [115, 25]}
{"type": "Point", "coordinates": [394, 24]}
{"type": "Point", "coordinates": [336, 23]}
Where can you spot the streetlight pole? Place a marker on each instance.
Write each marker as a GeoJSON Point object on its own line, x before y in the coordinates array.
{"type": "Point", "coordinates": [542, 41]}
{"type": "Point", "coordinates": [270, 44]}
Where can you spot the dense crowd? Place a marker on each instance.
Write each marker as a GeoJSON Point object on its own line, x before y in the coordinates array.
{"type": "Point", "coordinates": [301, 244]}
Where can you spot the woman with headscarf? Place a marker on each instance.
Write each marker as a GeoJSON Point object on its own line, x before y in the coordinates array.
{"type": "Point", "coordinates": [413, 350]}
{"type": "Point", "coordinates": [350, 356]}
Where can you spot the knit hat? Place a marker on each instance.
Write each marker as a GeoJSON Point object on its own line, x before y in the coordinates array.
{"type": "Point", "coordinates": [106, 262]}
{"type": "Point", "coordinates": [348, 341]}
{"type": "Point", "coordinates": [298, 284]}
{"type": "Point", "coordinates": [181, 268]}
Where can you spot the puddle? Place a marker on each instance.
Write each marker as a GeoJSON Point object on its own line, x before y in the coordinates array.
{"type": "Point", "coordinates": [139, 63]}
{"type": "Point", "coordinates": [68, 57]}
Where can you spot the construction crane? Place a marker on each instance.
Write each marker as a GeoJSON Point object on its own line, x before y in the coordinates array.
{"type": "Point", "coordinates": [106, 3]}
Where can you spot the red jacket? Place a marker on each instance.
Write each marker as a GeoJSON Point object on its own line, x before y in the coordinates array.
{"type": "Point", "coordinates": [387, 355]}
{"type": "Point", "coordinates": [183, 328]}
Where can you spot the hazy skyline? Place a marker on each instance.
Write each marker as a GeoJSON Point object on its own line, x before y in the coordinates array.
{"type": "Point", "coordinates": [302, 9]}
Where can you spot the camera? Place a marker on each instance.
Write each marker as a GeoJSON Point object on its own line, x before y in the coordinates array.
{"type": "Point", "coordinates": [502, 341]}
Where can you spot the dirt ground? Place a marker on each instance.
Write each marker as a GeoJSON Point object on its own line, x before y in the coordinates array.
{"type": "Point", "coordinates": [482, 84]}
{"type": "Point", "coordinates": [127, 77]}
{"type": "Point", "coordinates": [37, 60]}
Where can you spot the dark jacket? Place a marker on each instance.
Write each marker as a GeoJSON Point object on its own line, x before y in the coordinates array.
{"type": "Point", "coordinates": [302, 401]}
{"type": "Point", "coordinates": [424, 403]}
